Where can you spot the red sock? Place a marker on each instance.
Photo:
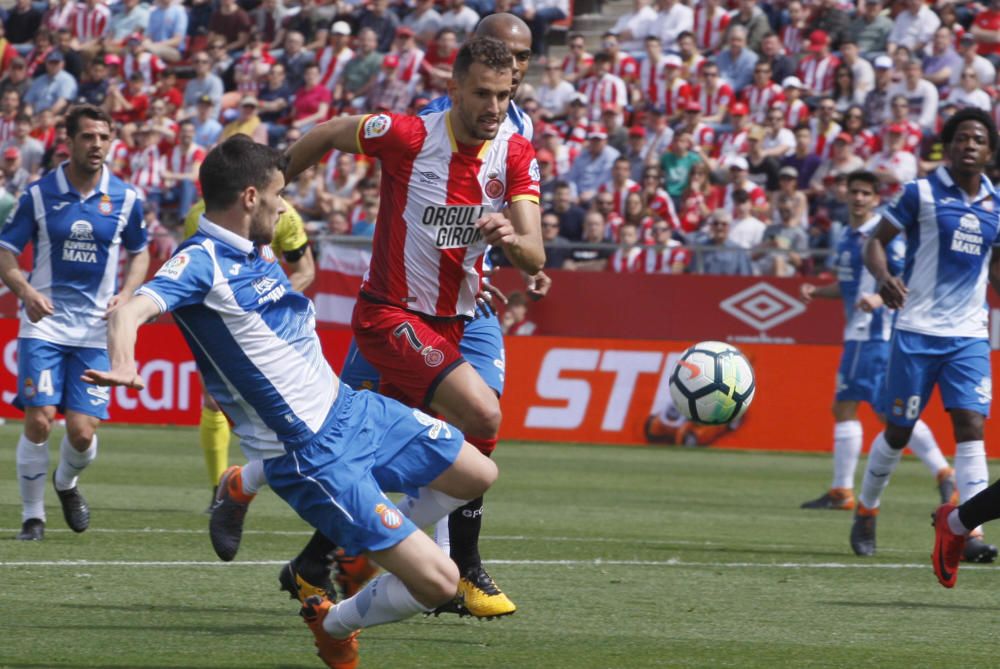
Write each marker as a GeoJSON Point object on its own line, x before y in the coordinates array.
{"type": "Point", "coordinates": [485, 446]}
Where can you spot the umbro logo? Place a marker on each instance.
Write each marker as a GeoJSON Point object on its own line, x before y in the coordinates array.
{"type": "Point", "coordinates": [429, 178]}
{"type": "Point", "coordinates": [59, 206]}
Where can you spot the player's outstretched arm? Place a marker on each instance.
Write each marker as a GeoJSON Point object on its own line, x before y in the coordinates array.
{"type": "Point", "coordinates": [808, 292]}
{"type": "Point", "coordinates": [36, 305]}
{"type": "Point", "coordinates": [891, 288]}
{"type": "Point", "coordinates": [123, 325]}
{"type": "Point", "coordinates": [339, 133]}
{"type": "Point", "coordinates": [136, 266]}
{"type": "Point", "coordinates": [520, 236]}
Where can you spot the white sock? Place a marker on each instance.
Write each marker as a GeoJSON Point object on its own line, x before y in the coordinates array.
{"type": "Point", "coordinates": [971, 472]}
{"type": "Point", "coordinates": [428, 506]}
{"type": "Point", "coordinates": [955, 523]}
{"type": "Point", "coordinates": [882, 461]}
{"type": "Point", "coordinates": [32, 477]}
{"type": "Point", "coordinates": [384, 600]}
{"type": "Point", "coordinates": [924, 446]}
{"type": "Point", "coordinates": [848, 436]}
{"type": "Point", "coordinates": [442, 535]}
{"type": "Point", "coordinates": [72, 462]}
{"type": "Point", "coordinates": [253, 477]}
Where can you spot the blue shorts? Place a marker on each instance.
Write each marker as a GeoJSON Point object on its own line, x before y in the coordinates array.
{"type": "Point", "coordinates": [481, 346]}
{"type": "Point", "coordinates": [862, 372]}
{"type": "Point", "coordinates": [960, 366]}
{"type": "Point", "coordinates": [372, 444]}
{"type": "Point", "coordinates": [49, 375]}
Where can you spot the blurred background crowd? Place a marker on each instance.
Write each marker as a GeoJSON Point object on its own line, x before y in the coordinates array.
{"type": "Point", "coordinates": [710, 137]}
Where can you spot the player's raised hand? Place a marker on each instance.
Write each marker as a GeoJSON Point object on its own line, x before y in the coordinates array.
{"type": "Point", "coordinates": [496, 229]}
{"type": "Point", "coordinates": [538, 285]}
{"type": "Point", "coordinates": [36, 305]}
{"type": "Point", "coordinates": [127, 376]}
{"type": "Point", "coordinates": [893, 292]}
{"type": "Point", "coordinates": [806, 291]}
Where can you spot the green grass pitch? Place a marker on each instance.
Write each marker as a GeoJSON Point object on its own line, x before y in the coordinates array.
{"type": "Point", "coordinates": [619, 558]}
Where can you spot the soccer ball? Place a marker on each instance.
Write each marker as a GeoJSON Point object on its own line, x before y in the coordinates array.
{"type": "Point", "coordinates": [712, 383]}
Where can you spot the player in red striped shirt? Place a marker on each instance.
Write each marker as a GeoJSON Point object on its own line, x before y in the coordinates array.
{"type": "Point", "coordinates": [446, 176]}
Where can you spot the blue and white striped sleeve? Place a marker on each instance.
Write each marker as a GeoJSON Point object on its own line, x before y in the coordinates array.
{"type": "Point", "coordinates": [903, 212]}
{"type": "Point", "coordinates": [183, 280]}
{"type": "Point", "coordinates": [19, 226]}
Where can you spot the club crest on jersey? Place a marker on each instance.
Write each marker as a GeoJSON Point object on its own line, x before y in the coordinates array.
{"type": "Point", "coordinates": [104, 206]}
{"type": "Point", "coordinates": [80, 246]}
{"type": "Point", "coordinates": [494, 188]}
{"type": "Point", "coordinates": [454, 225]}
{"type": "Point", "coordinates": [173, 268]}
{"type": "Point", "coordinates": [391, 518]}
{"type": "Point", "coordinates": [377, 125]}
{"type": "Point", "coordinates": [968, 238]}
{"type": "Point", "coordinates": [267, 254]}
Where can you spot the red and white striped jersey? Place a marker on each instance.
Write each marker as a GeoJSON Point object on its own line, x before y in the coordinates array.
{"type": "Point", "coordinates": [619, 194]}
{"type": "Point", "coordinates": [732, 144]}
{"type": "Point", "coordinates": [146, 167]}
{"type": "Point", "coordinates": [792, 39]}
{"type": "Point", "coordinates": [89, 23]}
{"type": "Point", "coordinates": [182, 160]}
{"type": "Point", "coordinates": [675, 95]}
{"type": "Point", "coordinates": [651, 79]}
{"type": "Point", "coordinates": [708, 30]}
{"type": "Point", "coordinates": [704, 136]}
{"type": "Point", "coordinates": [758, 198]}
{"type": "Point", "coordinates": [913, 136]}
{"type": "Point", "coordinates": [60, 16]}
{"type": "Point", "coordinates": [7, 128]}
{"type": "Point", "coordinates": [817, 73]}
{"type": "Point", "coordinates": [796, 113]}
{"type": "Point", "coordinates": [427, 253]}
{"type": "Point", "coordinates": [625, 261]}
{"type": "Point", "coordinates": [625, 68]}
{"type": "Point", "coordinates": [662, 207]}
{"type": "Point", "coordinates": [760, 99]}
{"type": "Point", "coordinates": [118, 158]}
{"type": "Point", "coordinates": [574, 134]}
{"type": "Point", "coordinates": [822, 141]}
{"type": "Point", "coordinates": [580, 66]}
{"type": "Point", "coordinates": [865, 144]}
{"type": "Point", "coordinates": [147, 64]}
{"type": "Point", "coordinates": [712, 102]}
{"type": "Point", "coordinates": [662, 261]}
{"type": "Point", "coordinates": [332, 64]}
{"type": "Point", "coordinates": [602, 90]}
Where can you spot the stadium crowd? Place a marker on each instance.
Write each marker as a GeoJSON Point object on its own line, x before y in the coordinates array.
{"type": "Point", "coordinates": [713, 137]}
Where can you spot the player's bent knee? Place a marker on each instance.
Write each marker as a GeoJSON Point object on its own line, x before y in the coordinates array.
{"type": "Point", "coordinates": [37, 426]}
{"type": "Point", "coordinates": [484, 420]}
{"type": "Point", "coordinates": [470, 475]}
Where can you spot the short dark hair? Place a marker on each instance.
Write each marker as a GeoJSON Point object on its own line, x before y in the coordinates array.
{"type": "Point", "coordinates": [78, 112]}
{"type": "Point", "coordinates": [686, 33]}
{"type": "Point", "coordinates": [863, 176]}
{"type": "Point", "coordinates": [487, 51]}
{"type": "Point", "coordinates": [969, 114]}
{"type": "Point", "coordinates": [235, 165]}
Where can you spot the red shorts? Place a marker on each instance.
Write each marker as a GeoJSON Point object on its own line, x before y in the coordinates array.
{"type": "Point", "coordinates": [412, 353]}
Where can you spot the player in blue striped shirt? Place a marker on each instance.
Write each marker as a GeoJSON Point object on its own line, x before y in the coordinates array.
{"type": "Point", "coordinates": [78, 218]}
{"type": "Point", "coordinates": [951, 220]}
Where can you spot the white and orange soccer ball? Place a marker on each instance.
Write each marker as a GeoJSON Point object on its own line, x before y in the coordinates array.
{"type": "Point", "coordinates": [713, 383]}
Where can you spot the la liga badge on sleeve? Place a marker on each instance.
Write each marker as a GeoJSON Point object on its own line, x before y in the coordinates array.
{"type": "Point", "coordinates": [377, 125]}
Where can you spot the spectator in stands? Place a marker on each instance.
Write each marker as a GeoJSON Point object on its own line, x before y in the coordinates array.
{"type": "Point", "coordinates": [970, 93]}
{"type": "Point", "coordinates": [232, 24]}
{"type": "Point", "coordinates": [913, 27]}
{"type": "Point", "coordinates": [842, 160]}
{"type": "Point", "coordinates": [778, 140]}
{"type": "Point", "coordinates": [72, 58]}
{"type": "Point", "coordinates": [55, 89]}
{"type": "Point", "coordinates": [166, 30]}
{"type": "Point", "coordinates": [460, 18]}
{"type": "Point", "coordinates": [713, 97]}
{"type": "Point", "coordinates": [894, 165]}
{"type": "Point", "coordinates": [312, 102]}
{"type": "Point", "coordinates": [635, 151]}
{"type": "Point", "coordinates": [23, 23]}
{"type": "Point", "coordinates": [515, 321]}
{"type": "Point", "coordinates": [803, 159]}
{"type": "Point", "coordinates": [691, 58]}
{"type": "Point", "coordinates": [762, 94]}
{"type": "Point", "coordinates": [590, 259]}
{"type": "Point", "coordinates": [824, 127]}
{"type": "Point", "coordinates": [267, 20]}
{"type": "Point", "coordinates": [750, 17]}
{"type": "Point", "coordinates": [723, 256]}
{"type": "Point", "coordinates": [207, 127]}
{"type": "Point", "coordinates": [659, 134]}
{"type": "Point", "coordinates": [763, 169]}
{"type": "Point", "coordinates": [203, 84]}
{"type": "Point", "coordinates": [863, 141]}
{"type": "Point", "coordinates": [942, 61]}
{"type": "Point", "coordinates": [736, 64]}
{"type": "Point", "coordinates": [662, 254]}
{"type": "Point", "coordinates": [870, 29]}
{"type": "Point", "coordinates": [547, 181]}
{"type": "Point", "coordinates": [794, 31]}
{"type": "Point", "coordinates": [603, 87]}
{"type": "Point", "coordinates": [817, 69]}
{"type": "Point", "coordinates": [611, 210]}
{"type": "Point", "coordinates": [94, 87]}
{"type": "Point", "coordinates": [128, 105]}
{"type": "Point", "coordinates": [540, 15]}
{"type": "Point", "coordinates": [785, 244]}
{"type": "Point", "coordinates": [180, 173]}
{"type": "Point", "coordinates": [967, 49]}
{"type": "Point", "coordinates": [16, 177]}
{"type": "Point", "coordinates": [876, 102]}
{"type": "Point", "coordinates": [733, 142]}
{"type": "Point", "coordinates": [311, 22]}
{"type": "Point", "coordinates": [625, 259]}
{"type": "Point", "coordinates": [672, 18]}
{"type": "Point", "coordinates": [986, 31]}
{"type": "Point", "coordinates": [747, 230]}
{"type": "Point", "coordinates": [273, 101]}
{"type": "Point", "coordinates": [7, 199]}
{"type": "Point", "coordinates": [592, 166]}
{"type": "Point", "coordinates": [861, 69]}
{"type": "Point", "coordinates": [576, 64]}
{"type": "Point", "coordinates": [633, 27]}
{"type": "Point", "coordinates": [424, 21]}
{"type": "Point", "coordinates": [773, 54]}
{"type": "Point", "coordinates": [569, 215]}
{"type": "Point", "coordinates": [700, 199]}
{"type": "Point", "coordinates": [845, 93]}
{"type": "Point", "coordinates": [831, 20]}
{"type": "Point", "coordinates": [16, 78]}
{"type": "Point", "coordinates": [133, 19]}
{"type": "Point", "coordinates": [676, 164]}
{"type": "Point", "coordinates": [788, 187]}
{"type": "Point", "coordinates": [920, 93]}
{"type": "Point", "coordinates": [361, 71]}
{"type": "Point", "coordinates": [554, 94]}
{"type": "Point", "coordinates": [439, 61]}
{"type": "Point", "coordinates": [247, 122]}
{"type": "Point", "coordinates": [556, 246]}
{"type": "Point", "coordinates": [296, 59]}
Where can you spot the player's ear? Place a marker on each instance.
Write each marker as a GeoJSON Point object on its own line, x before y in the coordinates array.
{"type": "Point", "coordinates": [250, 197]}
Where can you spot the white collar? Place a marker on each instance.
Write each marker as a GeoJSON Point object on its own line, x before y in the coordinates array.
{"type": "Point", "coordinates": [241, 244]}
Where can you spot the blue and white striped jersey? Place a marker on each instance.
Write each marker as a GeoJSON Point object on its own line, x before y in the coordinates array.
{"type": "Point", "coordinates": [949, 239]}
{"type": "Point", "coordinates": [77, 243]}
{"type": "Point", "coordinates": [253, 337]}
{"type": "Point", "coordinates": [855, 280]}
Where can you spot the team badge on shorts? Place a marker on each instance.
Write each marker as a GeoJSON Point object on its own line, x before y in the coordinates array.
{"type": "Point", "coordinates": [432, 356]}
{"type": "Point", "coordinates": [494, 187]}
{"type": "Point", "coordinates": [390, 517]}
{"type": "Point", "coordinates": [377, 125]}
{"type": "Point", "coordinates": [29, 388]}
{"type": "Point", "coordinates": [104, 206]}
